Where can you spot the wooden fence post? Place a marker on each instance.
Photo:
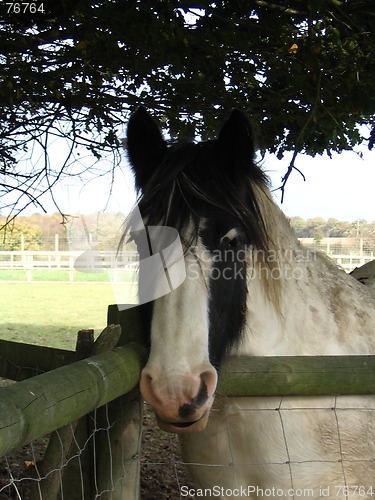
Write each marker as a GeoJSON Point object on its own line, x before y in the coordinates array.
{"type": "Point", "coordinates": [49, 469]}
{"type": "Point", "coordinates": [77, 479]}
{"type": "Point", "coordinates": [117, 446]}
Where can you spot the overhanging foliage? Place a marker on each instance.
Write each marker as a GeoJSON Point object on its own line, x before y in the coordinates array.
{"type": "Point", "coordinates": [303, 70]}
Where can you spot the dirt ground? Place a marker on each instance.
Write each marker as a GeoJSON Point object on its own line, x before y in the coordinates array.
{"type": "Point", "coordinates": [161, 473]}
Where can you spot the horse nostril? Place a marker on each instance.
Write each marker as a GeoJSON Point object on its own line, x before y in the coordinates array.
{"type": "Point", "coordinates": [188, 409]}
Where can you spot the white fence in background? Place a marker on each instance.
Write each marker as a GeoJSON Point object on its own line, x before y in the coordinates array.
{"type": "Point", "coordinates": [110, 260]}
{"type": "Point", "coordinates": [350, 262]}
{"type": "Point", "coordinates": [93, 261]}
{"type": "Point", "coordinates": [348, 253]}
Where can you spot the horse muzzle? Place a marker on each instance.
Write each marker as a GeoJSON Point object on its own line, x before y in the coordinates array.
{"type": "Point", "coordinates": [181, 403]}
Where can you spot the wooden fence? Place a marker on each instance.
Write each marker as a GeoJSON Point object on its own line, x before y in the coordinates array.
{"type": "Point", "coordinates": [62, 400]}
{"type": "Point", "coordinates": [49, 401]}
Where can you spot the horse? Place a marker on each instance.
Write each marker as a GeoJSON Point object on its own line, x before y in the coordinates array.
{"type": "Point", "coordinates": [250, 289]}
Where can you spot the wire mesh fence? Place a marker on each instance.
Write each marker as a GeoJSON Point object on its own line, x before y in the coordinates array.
{"type": "Point", "coordinates": [294, 447]}
{"type": "Point", "coordinates": [33, 471]}
{"type": "Point", "coordinates": [165, 475]}
{"type": "Point", "coordinates": [162, 471]}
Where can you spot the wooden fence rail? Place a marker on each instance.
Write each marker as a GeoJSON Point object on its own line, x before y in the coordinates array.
{"type": "Point", "coordinates": [298, 376]}
{"type": "Point", "coordinates": [42, 404]}
{"type": "Point", "coordinates": [20, 361]}
{"type": "Point", "coordinates": [35, 407]}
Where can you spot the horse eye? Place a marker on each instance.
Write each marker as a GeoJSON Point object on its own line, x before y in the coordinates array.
{"type": "Point", "coordinates": [235, 242]}
{"type": "Point", "coordinates": [232, 239]}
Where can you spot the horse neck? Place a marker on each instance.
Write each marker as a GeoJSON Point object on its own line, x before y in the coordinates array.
{"type": "Point", "coordinates": [300, 303]}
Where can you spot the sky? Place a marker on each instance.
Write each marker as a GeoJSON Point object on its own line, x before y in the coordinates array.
{"type": "Point", "coordinates": [341, 187]}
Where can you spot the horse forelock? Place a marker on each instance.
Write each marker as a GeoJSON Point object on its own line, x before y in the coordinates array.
{"type": "Point", "coordinates": [190, 184]}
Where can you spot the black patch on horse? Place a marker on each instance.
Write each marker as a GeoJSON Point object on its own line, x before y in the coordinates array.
{"type": "Point", "coordinates": [227, 286]}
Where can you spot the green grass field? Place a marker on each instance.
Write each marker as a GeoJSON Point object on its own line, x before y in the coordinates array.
{"type": "Point", "coordinates": [52, 313]}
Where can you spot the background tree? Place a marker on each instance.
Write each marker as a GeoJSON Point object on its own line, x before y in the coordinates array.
{"type": "Point", "coordinates": [318, 228]}
{"type": "Point", "coordinates": [103, 231]}
{"type": "Point", "coordinates": [303, 70]}
{"type": "Point", "coordinates": [29, 233]}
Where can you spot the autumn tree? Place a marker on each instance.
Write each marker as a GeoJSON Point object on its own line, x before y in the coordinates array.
{"type": "Point", "coordinates": [332, 228]}
{"type": "Point", "coordinates": [73, 70]}
{"type": "Point", "coordinates": [19, 234]}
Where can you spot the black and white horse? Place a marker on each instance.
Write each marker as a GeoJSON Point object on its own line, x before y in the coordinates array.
{"type": "Point", "coordinates": [250, 289]}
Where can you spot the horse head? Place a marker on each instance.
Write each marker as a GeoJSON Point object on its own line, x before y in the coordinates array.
{"type": "Point", "coordinates": [207, 192]}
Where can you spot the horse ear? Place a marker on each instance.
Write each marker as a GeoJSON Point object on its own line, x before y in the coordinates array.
{"type": "Point", "coordinates": [145, 146]}
{"type": "Point", "coordinates": [235, 143]}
